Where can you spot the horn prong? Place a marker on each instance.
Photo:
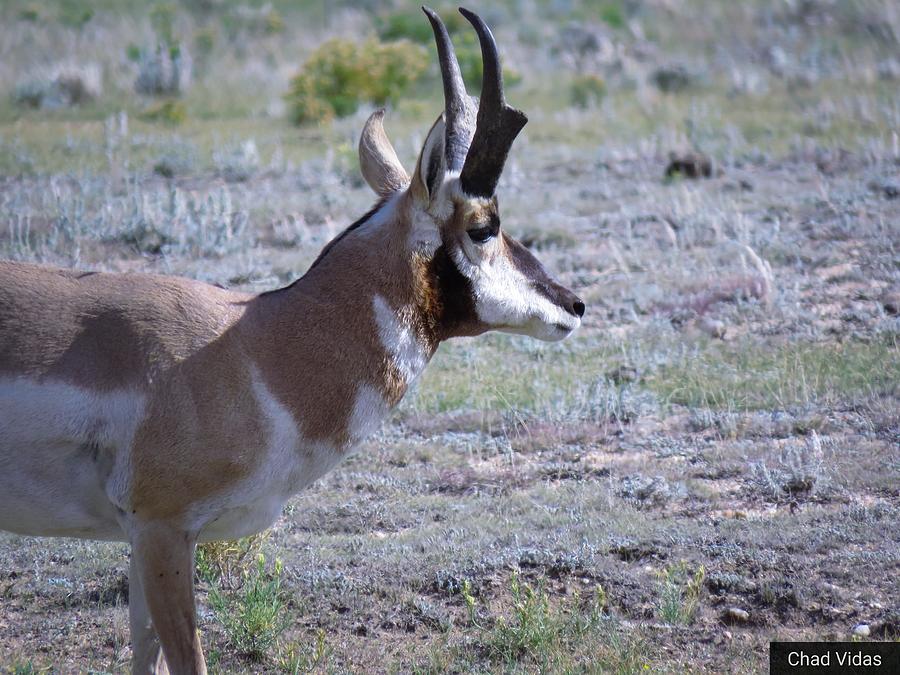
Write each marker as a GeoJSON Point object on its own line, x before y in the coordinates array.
{"type": "Point", "coordinates": [457, 103]}
{"type": "Point", "coordinates": [497, 124]}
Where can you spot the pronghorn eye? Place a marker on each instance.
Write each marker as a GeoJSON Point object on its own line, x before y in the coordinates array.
{"type": "Point", "coordinates": [482, 234]}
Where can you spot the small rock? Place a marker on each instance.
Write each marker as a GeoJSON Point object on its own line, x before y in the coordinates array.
{"type": "Point", "coordinates": [727, 635]}
{"type": "Point", "coordinates": [862, 630]}
{"type": "Point", "coordinates": [689, 165]}
{"type": "Point", "coordinates": [737, 615]}
{"type": "Point", "coordinates": [891, 303]}
{"type": "Point", "coordinates": [888, 189]}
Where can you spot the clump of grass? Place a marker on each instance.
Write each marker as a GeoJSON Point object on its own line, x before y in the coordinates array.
{"type": "Point", "coordinates": [295, 658]}
{"type": "Point", "coordinates": [587, 90]}
{"type": "Point", "coordinates": [766, 377]}
{"type": "Point", "coordinates": [799, 471]}
{"type": "Point", "coordinates": [612, 15]}
{"type": "Point", "coordinates": [679, 593]}
{"type": "Point", "coordinates": [341, 75]}
{"type": "Point", "coordinates": [253, 616]}
{"type": "Point", "coordinates": [537, 632]}
{"type": "Point", "coordinates": [226, 562]}
{"type": "Point", "coordinates": [19, 667]}
{"type": "Point", "coordinates": [169, 112]}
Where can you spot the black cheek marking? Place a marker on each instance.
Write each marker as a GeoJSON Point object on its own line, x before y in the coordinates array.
{"type": "Point", "coordinates": [532, 269]}
{"type": "Point", "coordinates": [525, 262]}
{"type": "Point", "coordinates": [455, 303]}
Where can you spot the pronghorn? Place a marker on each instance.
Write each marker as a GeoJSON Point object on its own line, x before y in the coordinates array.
{"type": "Point", "coordinates": [163, 411]}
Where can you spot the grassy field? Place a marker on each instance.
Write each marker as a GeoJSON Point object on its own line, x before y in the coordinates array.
{"type": "Point", "coordinates": [712, 462]}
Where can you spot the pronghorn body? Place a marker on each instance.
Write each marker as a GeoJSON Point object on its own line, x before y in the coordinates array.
{"type": "Point", "coordinates": [163, 411]}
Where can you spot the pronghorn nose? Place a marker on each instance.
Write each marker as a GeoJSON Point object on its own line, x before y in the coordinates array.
{"type": "Point", "coordinates": [578, 308]}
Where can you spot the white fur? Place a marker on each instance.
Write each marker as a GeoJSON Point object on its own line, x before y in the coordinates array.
{"type": "Point", "coordinates": [290, 463]}
{"type": "Point", "coordinates": [424, 235]}
{"type": "Point", "coordinates": [399, 340]}
{"type": "Point", "coordinates": [369, 411]}
{"type": "Point", "coordinates": [505, 300]}
{"type": "Point", "coordinates": [64, 451]}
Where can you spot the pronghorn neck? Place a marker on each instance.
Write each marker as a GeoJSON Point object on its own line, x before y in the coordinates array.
{"type": "Point", "coordinates": [341, 346]}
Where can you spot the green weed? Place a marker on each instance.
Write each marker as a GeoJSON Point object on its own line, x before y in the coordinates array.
{"type": "Point", "coordinates": [295, 658]}
{"type": "Point", "coordinates": [170, 112]}
{"type": "Point", "coordinates": [226, 562]}
{"type": "Point", "coordinates": [540, 633]}
{"type": "Point", "coordinates": [679, 593]}
{"type": "Point", "coordinates": [254, 615]}
{"type": "Point", "coordinates": [26, 667]}
{"type": "Point", "coordinates": [410, 26]}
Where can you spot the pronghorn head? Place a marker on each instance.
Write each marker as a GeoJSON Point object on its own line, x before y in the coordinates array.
{"type": "Point", "coordinates": [480, 278]}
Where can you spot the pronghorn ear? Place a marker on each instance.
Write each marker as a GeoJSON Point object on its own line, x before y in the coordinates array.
{"type": "Point", "coordinates": [377, 159]}
{"type": "Point", "coordinates": [431, 167]}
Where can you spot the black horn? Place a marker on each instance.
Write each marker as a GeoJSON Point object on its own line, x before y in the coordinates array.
{"type": "Point", "coordinates": [459, 111]}
{"type": "Point", "coordinates": [497, 124]}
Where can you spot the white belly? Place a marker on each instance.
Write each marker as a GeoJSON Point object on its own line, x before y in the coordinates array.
{"type": "Point", "coordinates": [60, 448]}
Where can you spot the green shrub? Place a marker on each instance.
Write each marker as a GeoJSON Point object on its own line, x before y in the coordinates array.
{"type": "Point", "coordinates": [253, 616]}
{"type": "Point", "coordinates": [612, 15]}
{"type": "Point", "coordinates": [468, 53]}
{"type": "Point", "coordinates": [31, 13]}
{"type": "Point", "coordinates": [465, 41]}
{"type": "Point", "coordinates": [342, 74]}
{"type": "Point", "coordinates": [587, 90]}
{"type": "Point", "coordinates": [297, 658]}
{"type": "Point", "coordinates": [168, 112]}
{"type": "Point", "coordinates": [413, 26]}
{"type": "Point", "coordinates": [74, 14]}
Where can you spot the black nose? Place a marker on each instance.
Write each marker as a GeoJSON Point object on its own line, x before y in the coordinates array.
{"type": "Point", "coordinates": [577, 308]}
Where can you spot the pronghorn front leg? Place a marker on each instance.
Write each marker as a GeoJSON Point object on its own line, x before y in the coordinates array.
{"type": "Point", "coordinates": [146, 654]}
{"type": "Point", "coordinates": [163, 562]}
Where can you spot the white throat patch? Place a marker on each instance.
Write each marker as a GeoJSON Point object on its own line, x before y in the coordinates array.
{"type": "Point", "coordinates": [399, 340]}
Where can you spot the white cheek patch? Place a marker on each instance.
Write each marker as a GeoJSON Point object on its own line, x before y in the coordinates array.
{"type": "Point", "coordinates": [399, 341]}
{"type": "Point", "coordinates": [505, 299]}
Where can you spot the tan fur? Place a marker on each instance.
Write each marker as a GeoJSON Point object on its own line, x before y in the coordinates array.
{"type": "Point", "coordinates": [189, 348]}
